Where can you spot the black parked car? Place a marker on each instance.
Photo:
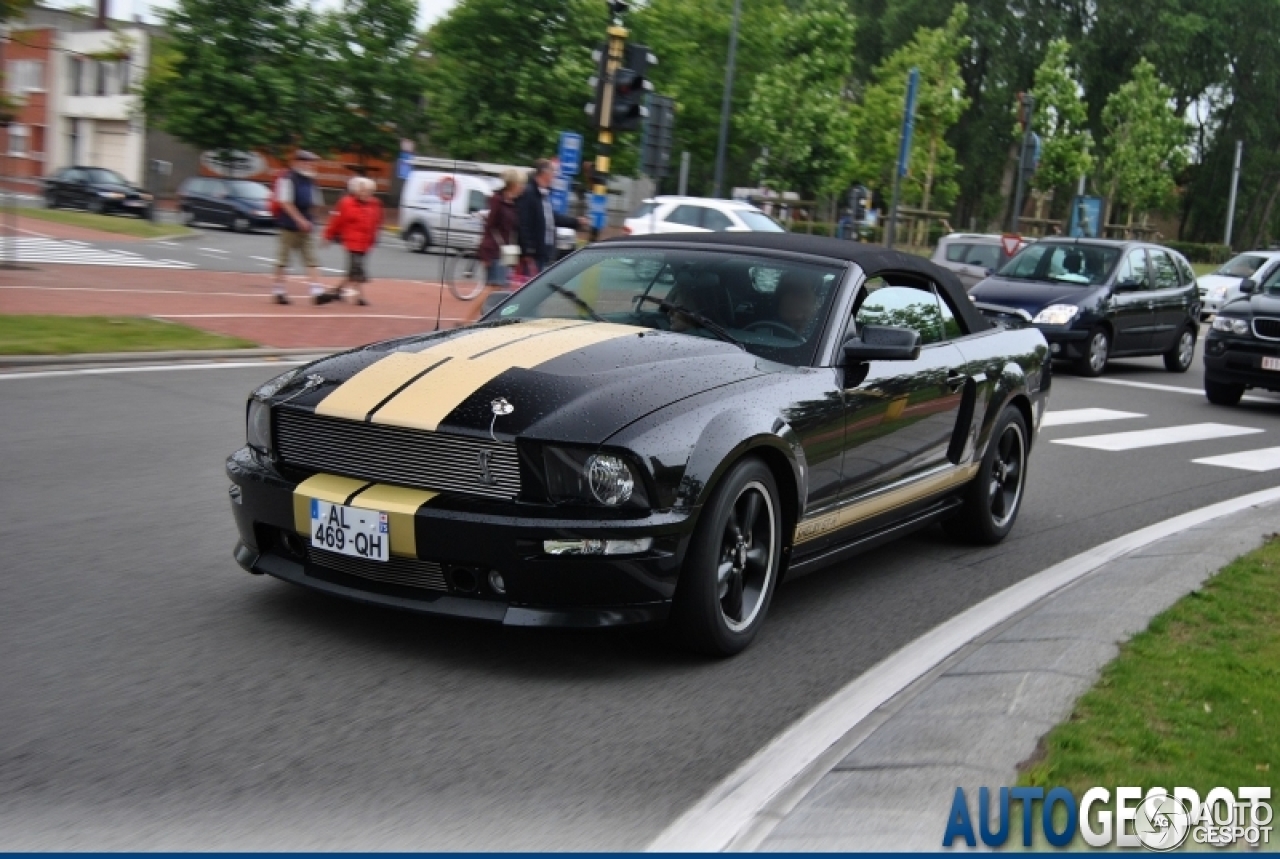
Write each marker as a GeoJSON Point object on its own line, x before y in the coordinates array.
{"type": "Point", "coordinates": [237, 204]}
{"type": "Point", "coordinates": [1096, 299]}
{"type": "Point", "coordinates": [97, 189]}
{"type": "Point", "coordinates": [620, 443]}
{"type": "Point", "coordinates": [1243, 346]}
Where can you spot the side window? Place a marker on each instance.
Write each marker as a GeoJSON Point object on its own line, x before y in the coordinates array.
{"type": "Point", "coordinates": [1134, 268]}
{"type": "Point", "coordinates": [957, 252]}
{"type": "Point", "coordinates": [477, 201]}
{"type": "Point", "coordinates": [686, 216]}
{"type": "Point", "coordinates": [903, 307]}
{"type": "Point", "coordinates": [984, 256]}
{"type": "Point", "coordinates": [1184, 269]}
{"type": "Point", "coordinates": [1166, 274]}
{"type": "Point", "coordinates": [950, 325]}
{"type": "Point", "coordinates": [715, 220]}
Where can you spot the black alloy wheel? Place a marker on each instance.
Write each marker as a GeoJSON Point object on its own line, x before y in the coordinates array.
{"type": "Point", "coordinates": [1096, 352]}
{"type": "Point", "coordinates": [97, 207]}
{"type": "Point", "coordinates": [994, 496]}
{"type": "Point", "coordinates": [1179, 357]}
{"type": "Point", "coordinates": [732, 564]}
{"type": "Point", "coordinates": [1223, 393]}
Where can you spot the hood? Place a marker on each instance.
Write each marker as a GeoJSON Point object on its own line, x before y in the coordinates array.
{"type": "Point", "coordinates": [1258, 304]}
{"type": "Point", "coordinates": [553, 379]}
{"type": "Point", "coordinates": [1031, 295]}
{"type": "Point", "coordinates": [1209, 281]}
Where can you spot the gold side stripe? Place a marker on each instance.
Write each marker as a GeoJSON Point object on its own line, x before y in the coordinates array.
{"type": "Point", "coordinates": [860, 510]}
{"type": "Point", "coordinates": [360, 394]}
{"type": "Point", "coordinates": [428, 401]}
{"type": "Point", "coordinates": [399, 503]}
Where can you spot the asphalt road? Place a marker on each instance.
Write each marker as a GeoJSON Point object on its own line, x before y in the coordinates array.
{"type": "Point", "coordinates": [156, 697]}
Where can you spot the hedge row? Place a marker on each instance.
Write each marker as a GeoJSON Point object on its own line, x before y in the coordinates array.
{"type": "Point", "coordinates": [1197, 252]}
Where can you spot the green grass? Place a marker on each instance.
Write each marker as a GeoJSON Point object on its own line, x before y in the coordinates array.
{"type": "Point", "coordinates": [68, 335]}
{"type": "Point", "coordinates": [125, 225]}
{"type": "Point", "coordinates": [1191, 701]}
{"type": "Point", "coordinates": [1203, 268]}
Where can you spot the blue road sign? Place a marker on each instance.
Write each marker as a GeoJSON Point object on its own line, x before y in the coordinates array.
{"type": "Point", "coordinates": [403, 167]}
{"type": "Point", "coordinates": [560, 194]}
{"type": "Point", "coordinates": [908, 122]}
{"type": "Point", "coordinates": [1086, 218]}
{"type": "Point", "coordinates": [599, 211]}
{"type": "Point", "coordinates": [570, 153]}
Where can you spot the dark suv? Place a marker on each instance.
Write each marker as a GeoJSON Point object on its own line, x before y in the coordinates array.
{"type": "Point", "coordinates": [1096, 299]}
{"type": "Point", "coordinates": [1243, 346]}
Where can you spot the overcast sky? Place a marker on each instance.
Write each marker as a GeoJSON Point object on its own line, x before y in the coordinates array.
{"type": "Point", "coordinates": [428, 10]}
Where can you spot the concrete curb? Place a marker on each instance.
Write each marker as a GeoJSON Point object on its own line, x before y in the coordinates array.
{"type": "Point", "coordinates": [99, 358]}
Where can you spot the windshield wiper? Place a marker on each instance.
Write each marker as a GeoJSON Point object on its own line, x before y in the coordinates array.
{"type": "Point", "coordinates": [577, 301]}
{"type": "Point", "coordinates": [703, 322]}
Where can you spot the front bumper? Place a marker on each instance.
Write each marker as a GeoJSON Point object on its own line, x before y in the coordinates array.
{"type": "Point", "coordinates": [1065, 343]}
{"type": "Point", "coordinates": [1237, 361]}
{"type": "Point", "coordinates": [130, 207]}
{"type": "Point", "coordinates": [458, 543]}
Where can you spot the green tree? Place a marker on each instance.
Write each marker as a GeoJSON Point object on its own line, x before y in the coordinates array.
{"type": "Point", "coordinates": [373, 78]}
{"type": "Point", "coordinates": [691, 41]}
{"type": "Point", "coordinates": [1145, 143]}
{"type": "Point", "coordinates": [505, 78]}
{"type": "Point", "coordinates": [931, 178]}
{"type": "Point", "coordinates": [1061, 120]}
{"type": "Point", "coordinates": [800, 109]}
{"type": "Point", "coordinates": [229, 79]}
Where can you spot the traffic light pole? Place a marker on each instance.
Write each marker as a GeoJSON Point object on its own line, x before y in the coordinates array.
{"type": "Point", "coordinates": [604, 138]}
{"type": "Point", "coordinates": [1026, 111]}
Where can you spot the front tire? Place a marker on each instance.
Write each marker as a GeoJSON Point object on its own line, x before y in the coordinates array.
{"type": "Point", "coordinates": [1223, 393]}
{"type": "Point", "coordinates": [239, 224]}
{"type": "Point", "coordinates": [1178, 359]}
{"type": "Point", "coordinates": [97, 207]}
{"type": "Point", "coordinates": [416, 239]}
{"type": "Point", "coordinates": [994, 497]}
{"type": "Point", "coordinates": [732, 564]}
{"type": "Point", "coordinates": [1096, 353]}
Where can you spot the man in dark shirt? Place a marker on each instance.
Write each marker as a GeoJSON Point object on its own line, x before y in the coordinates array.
{"type": "Point", "coordinates": [538, 221]}
{"type": "Point", "coordinates": [297, 197]}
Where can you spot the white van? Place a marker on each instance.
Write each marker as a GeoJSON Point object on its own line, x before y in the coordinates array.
{"type": "Point", "coordinates": [446, 210]}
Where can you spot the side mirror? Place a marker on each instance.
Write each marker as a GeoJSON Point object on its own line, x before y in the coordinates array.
{"type": "Point", "coordinates": [882, 343]}
{"type": "Point", "coordinates": [1248, 286]}
{"type": "Point", "coordinates": [1129, 284]}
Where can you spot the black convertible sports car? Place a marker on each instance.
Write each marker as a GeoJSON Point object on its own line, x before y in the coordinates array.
{"type": "Point", "coordinates": [653, 430]}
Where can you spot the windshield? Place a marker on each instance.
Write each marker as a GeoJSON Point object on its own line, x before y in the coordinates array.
{"type": "Point", "coordinates": [759, 222]}
{"type": "Point", "coordinates": [774, 308]}
{"type": "Point", "coordinates": [1086, 265]}
{"type": "Point", "coordinates": [101, 175]}
{"type": "Point", "coordinates": [644, 209]}
{"type": "Point", "coordinates": [1271, 285]}
{"type": "Point", "coordinates": [1242, 266]}
{"type": "Point", "coordinates": [246, 190]}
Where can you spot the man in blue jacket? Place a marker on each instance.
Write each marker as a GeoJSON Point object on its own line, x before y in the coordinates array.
{"type": "Point", "coordinates": [538, 221]}
{"type": "Point", "coordinates": [297, 198]}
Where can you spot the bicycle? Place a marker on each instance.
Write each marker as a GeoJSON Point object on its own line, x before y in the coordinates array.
{"type": "Point", "coordinates": [465, 275]}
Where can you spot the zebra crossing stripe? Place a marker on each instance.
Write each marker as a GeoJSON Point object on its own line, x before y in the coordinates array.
{"type": "Point", "coordinates": [1155, 437]}
{"type": "Point", "coordinates": [1070, 417]}
{"type": "Point", "coordinates": [1266, 459]}
{"type": "Point", "coordinates": [68, 252]}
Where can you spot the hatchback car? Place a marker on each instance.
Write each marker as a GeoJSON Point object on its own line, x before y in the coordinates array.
{"type": "Point", "coordinates": [973, 256]}
{"type": "Point", "coordinates": [1096, 299]}
{"type": "Point", "coordinates": [1223, 285]}
{"type": "Point", "coordinates": [1243, 347]}
{"type": "Point", "coordinates": [698, 215]}
{"type": "Point", "coordinates": [607, 448]}
{"type": "Point", "coordinates": [96, 189]}
{"type": "Point", "coordinates": [237, 204]}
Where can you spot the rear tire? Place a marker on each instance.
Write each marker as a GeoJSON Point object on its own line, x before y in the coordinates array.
{"type": "Point", "coordinates": [994, 497]}
{"type": "Point", "coordinates": [466, 276]}
{"type": "Point", "coordinates": [1179, 358]}
{"type": "Point", "coordinates": [732, 564]}
{"type": "Point", "coordinates": [1096, 352]}
{"type": "Point", "coordinates": [417, 240]}
{"type": "Point", "coordinates": [1223, 393]}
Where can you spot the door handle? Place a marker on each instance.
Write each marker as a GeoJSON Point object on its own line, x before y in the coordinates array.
{"type": "Point", "coordinates": [955, 381]}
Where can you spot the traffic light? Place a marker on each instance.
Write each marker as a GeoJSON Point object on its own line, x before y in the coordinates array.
{"type": "Point", "coordinates": [600, 56]}
{"type": "Point", "coordinates": [631, 86]}
{"type": "Point", "coordinates": [659, 129]}
{"type": "Point", "coordinates": [859, 196]}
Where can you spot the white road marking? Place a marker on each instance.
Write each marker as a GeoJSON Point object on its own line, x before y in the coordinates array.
{"type": "Point", "coordinates": [1136, 439]}
{"type": "Point", "coordinates": [200, 294]}
{"type": "Point", "coordinates": [166, 244]}
{"type": "Point", "coordinates": [57, 251]}
{"type": "Point", "coordinates": [179, 263]}
{"type": "Point", "coordinates": [1070, 417]}
{"type": "Point", "coordinates": [332, 270]}
{"type": "Point", "coordinates": [154, 368]}
{"type": "Point", "coordinates": [733, 807]}
{"type": "Point", "coordinates": [1266, 459]}
{"type": "Point", "coordinates": [1150, 386]}
{"type": "Point", "coordinates": [262, 259]}
{"type": "Point", "coordinates": [214, 250]}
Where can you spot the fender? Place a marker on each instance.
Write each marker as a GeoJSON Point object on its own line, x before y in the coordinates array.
{"type": "Point", "coordinates": [727, 437]}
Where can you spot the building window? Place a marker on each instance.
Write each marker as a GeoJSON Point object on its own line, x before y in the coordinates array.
{"type": "Point", "coordinates": [24, 76]}
{"type": "Point", "coordinates": [122, 76]}
{"type": "Point", "coordinates": [19, 140]}
{"type": "Point", "coordinates": [104, 74]}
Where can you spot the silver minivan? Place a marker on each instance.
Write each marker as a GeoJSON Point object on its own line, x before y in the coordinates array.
{"type": "Point", "coordinates": [973, 256]}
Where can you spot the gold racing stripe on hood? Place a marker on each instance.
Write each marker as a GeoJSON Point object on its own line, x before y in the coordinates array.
{"type": "Point", "coordinates": [399, 503]}
{"type": "Point", "coordinates": [427, 401]}
{"type": "Point", "coordinates": [355, 398]}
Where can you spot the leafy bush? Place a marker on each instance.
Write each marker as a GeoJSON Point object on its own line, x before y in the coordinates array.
{"type": "Point", "coordinates": [1198, 252]}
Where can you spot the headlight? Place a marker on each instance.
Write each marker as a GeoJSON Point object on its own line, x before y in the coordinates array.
{"type": "Point", "coordinates": [145, 196]}
{"type": "Point", "coordinates": [258, 426]}
{"type": "Point", "coordinates": [1231, 324]}
{"type": "Point", "coordinates": [1216, 293]}
{"type": "Point", "coordinates": [594, 478]}
{"type": "Point", "coordinates": [112, 195]}
{"type": "Point", "coordinates": [263, 214]}
{"type": "Point", "coordinates": [1057, 314]}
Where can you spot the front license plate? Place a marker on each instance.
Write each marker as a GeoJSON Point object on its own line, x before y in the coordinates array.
{"type": "Point", "coordinates": [133, 202]}
{"type": "Point", "coordinates": [350, 531]}
{"type": "Point", "coordinates": [1271, 363]}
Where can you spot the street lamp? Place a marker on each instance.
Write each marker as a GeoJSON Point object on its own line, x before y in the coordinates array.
{"type": "Point", "coordinates": [723, 142]}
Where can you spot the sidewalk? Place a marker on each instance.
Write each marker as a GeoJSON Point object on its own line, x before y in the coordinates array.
{"type": "Point", "coordinates": [971, 721]}
{"type": "Point", "coordinates": [237, 305]}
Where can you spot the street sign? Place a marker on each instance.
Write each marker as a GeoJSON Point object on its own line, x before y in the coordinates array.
{"type": "Point", "coordinates": [404, 165]}
{"type": "Point", "coordinates": [570, 153]}
{"type": "Point", "coordinates": [908, 121]}
{"type": "Point", "coordinates": [599, 211]}
{"type": "Point", "coordinates": [1009, 243]}
{"type": "Point", "coordinates": [559, 194]}
{"type": "Point", "coordinates": [1086, 218]}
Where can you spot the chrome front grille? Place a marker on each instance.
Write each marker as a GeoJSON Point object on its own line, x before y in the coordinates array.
{"type": "Point", "coordinates": [425, 460]}
{"type": "Point", "coordinates": [1266, 329]}
{"type": "Point", "coordinates": [406, 572]}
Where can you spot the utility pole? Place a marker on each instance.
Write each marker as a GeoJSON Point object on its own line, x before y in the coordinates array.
{"type": "Point", "coordinates": [904, 153]}
{"type": "Point", "coordinates": [1025, 111]}
{"type": "Point", "coordinates": [684, 173]}
{"type": "Point", "coordinates": [1231, 201]}
{"type": "Point", "coordinates": [723, 143]}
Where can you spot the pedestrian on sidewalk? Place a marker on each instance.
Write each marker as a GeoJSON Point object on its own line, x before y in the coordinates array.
{"type": "Point", "coordinates": [501, 229]}
{"type": "Point", "coordinates": [356, 225]}
{"type": "Point", "coordinates": [297, 197]}
{"type": "Point", "coordinates": [538, 221]}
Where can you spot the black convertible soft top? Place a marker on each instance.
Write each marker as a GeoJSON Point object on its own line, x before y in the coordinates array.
{"type": "Point", "coordinates": [872, 259]}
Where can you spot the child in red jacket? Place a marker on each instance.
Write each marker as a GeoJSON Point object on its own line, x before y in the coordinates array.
{"type": "Point", "coordinates": [356, 223]}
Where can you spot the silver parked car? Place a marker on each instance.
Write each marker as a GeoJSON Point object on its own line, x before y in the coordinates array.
{"type": "Point", "coordinates": [973, 256]}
